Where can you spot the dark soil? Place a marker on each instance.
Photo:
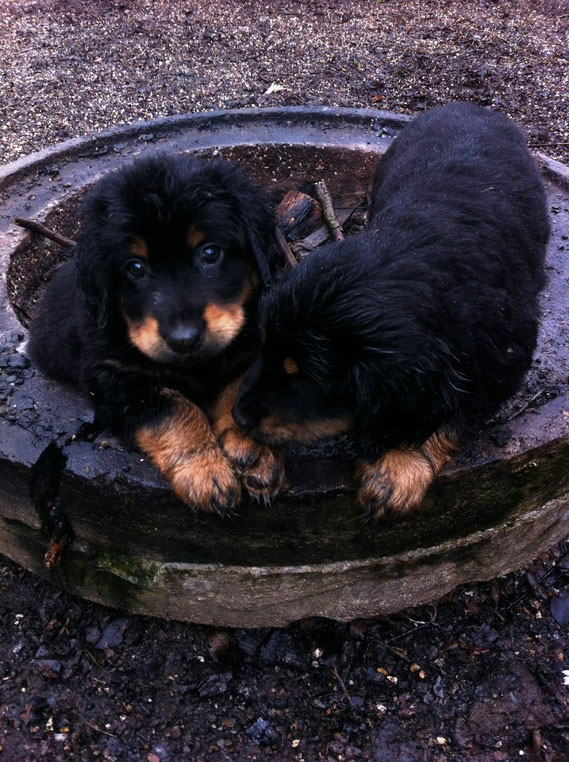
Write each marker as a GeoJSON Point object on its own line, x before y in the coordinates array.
{"type": "Point", "coordinates": [479, 675]}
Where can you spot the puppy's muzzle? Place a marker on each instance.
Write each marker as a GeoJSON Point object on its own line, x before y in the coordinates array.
{"type": "Point", "coordinates": [184, 337]}
{"type": "Point", "coordinates": [245, 415]}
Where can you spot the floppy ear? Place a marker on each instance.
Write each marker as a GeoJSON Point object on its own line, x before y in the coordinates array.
{"type": "Point", "coordinates": [93, 276]}
{"type": "Point", "coordinates": [260, 246]}
{"type": "Point", "coordinates": [259, 224]}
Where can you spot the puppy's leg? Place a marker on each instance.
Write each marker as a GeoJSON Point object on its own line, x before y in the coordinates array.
{"type": "Point", "coordinates": [174, 433]}
{"type": "Point", "coordinates": [398, 481]}
{"type": "Point", "coordinates": [261, 469]}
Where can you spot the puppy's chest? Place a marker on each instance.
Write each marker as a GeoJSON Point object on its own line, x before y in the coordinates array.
{"type": "Point", "coordinates": [201, 384]}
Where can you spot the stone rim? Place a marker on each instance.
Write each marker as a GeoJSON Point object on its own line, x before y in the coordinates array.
{"type": "Point", "coordinates": [361, 128]}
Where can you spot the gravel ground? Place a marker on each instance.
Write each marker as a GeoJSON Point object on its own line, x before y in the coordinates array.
{"type": "Point", "coordinates": [69, 67]}
{"type": "Point", "coordinates": [476, 677]}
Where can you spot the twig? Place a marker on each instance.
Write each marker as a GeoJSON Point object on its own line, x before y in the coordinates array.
{"type": "Point", "coordinates": [285, 249]}
{"type": "Point", "coordinates": [542, 145]}
{"type": "Point", "coordinates": [527, 592]}
{"type": "Point", "coordinates": [99, 730]}
{"type": "Point", "coordinates": [37, 227]}
{"type": "Point", "coordinates": [525, 407]}
{"type": "Point", "coordinates": [346, 694]}
{"type": "Point", "coordinates": [323, 195]}
{"type": "Point", "coordinates": [95, 662]}
{"type": "Point", "coordinates": [405, 634]}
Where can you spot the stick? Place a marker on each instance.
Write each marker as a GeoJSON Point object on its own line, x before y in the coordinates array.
{"type": "Point", "coordinates": [285, 249]}
{"type": "Point", "coordinates": [527, 592]}
{"type": "Point", "coordinates": [37, 227]}
{"type": "Point", "coordinates": [346, 694]}
{"type": "Point", "coordinates": [542, 145]}
{"type": "Point", "coordinates": [524, 407]}
{"type": "Point", "coordinates": [323, 195]}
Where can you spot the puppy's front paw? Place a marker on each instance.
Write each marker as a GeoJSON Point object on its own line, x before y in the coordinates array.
{"type": "Point", "coordinates": [241, 449]}
{"type": "Point", "coordinates": [205, 480]}
{"type": "Point", "coordinates": [396, 483]}
{"type": "Point", "coordinates": [261, 469]}
{"type": "Point", "coordinates": [264, 478]}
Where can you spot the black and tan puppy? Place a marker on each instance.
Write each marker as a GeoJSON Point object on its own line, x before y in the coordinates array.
{"type": "Point", "coordinates": [414, 332]}
{"type": "Point", "coordinates": [155, 316]}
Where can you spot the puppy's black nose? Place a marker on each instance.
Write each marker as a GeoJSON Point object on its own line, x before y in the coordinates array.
{"type": "Point", "coordinates": [244, 415]}
{"type": "Point", "coordinates": [184, 336]}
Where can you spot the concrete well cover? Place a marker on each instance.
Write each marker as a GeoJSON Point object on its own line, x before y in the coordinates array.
{"type": "Point", "coordinates": [502, 501]}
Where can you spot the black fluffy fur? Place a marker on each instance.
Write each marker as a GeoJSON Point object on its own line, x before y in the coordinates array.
{"type": "Point", "coordinates": [80, 334]}
{"type": "Point", "coordinates": [429, 318]}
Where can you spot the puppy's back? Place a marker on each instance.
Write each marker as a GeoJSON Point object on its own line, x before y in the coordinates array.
{"type": "Point", "coordinates": [468, 160]}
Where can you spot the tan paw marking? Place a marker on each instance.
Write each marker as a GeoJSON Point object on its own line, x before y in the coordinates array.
{"type": "Point", "coordinates": [206, 480]}
{"type": "Point", "coordinates": [261, 469]}
{"type": "Point", "coordinates": [239, 447]}
{"type": "Point", "coordinates": [184, 449]}
{"type": "Point", "coordinates": [264, 478]}
{"type": "Point", "coordinates": [397, 482]}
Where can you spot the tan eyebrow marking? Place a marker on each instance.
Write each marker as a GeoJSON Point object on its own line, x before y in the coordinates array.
{"type": "Point", "coordinates": [194, 236]}
{"type": "Point", "coordinates": [290, 367]}
{"type": "Point", "coordinates": [139, 248]}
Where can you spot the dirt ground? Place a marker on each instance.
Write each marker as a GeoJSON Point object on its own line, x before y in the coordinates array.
{"type": "Point", "coordinates": [476, 676]}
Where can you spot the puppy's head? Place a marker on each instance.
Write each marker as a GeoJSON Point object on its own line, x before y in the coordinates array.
{"type": "Point", "coordinates": [295, 391]}
{"type": "Point", "coordinates": [176, 251]}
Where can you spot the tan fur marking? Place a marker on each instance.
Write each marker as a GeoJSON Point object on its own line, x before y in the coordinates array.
{"type": "Point", "coordinates": [194, 236]}
{"type": "Point", "coordinates": [223, 322]}
{"type": "Point", "coordinates": [250, 288]}
{"type": "Point", "coordinates": [439, 449]}
{"type": "Point", "coordinates": [261, 469]}
{"type": "Point", "coordinates": [139, 248]}
{"type": "Point", "coordinates": [278, 431]}
{"type": "Point", "coordinates": [184, 449]}
{"type": "Point", "coordinates": [399, 480]}
{"type": "Point", "coordinates": [222, 420]}
{"type": "Point", "coordinates": [290, 367]}
{"type": "Point", "coordinates": [146, 337]}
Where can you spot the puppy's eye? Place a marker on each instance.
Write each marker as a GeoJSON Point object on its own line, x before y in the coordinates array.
{"type": "Point", "coordinates": [210, 254]}
{"type": "Point", "coordinates": [135, 269]}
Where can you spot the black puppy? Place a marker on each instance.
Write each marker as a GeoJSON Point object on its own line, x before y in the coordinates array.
{"type": "Point", "coordinates": [415, 331]}
{"type": "Point", "coordinates": [155, 316]}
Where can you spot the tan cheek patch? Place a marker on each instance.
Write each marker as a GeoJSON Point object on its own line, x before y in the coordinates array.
{"type": "Point", "coordinates": [277, 430]}
{"type": "Point", "coordinates": [223, 322]}
{"type": "Point", "coordinates": [139, 248]}
{"type": "Point", "coordinates": [146, 337]}
{"type": "Point", "coordinates": [194, 236]}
